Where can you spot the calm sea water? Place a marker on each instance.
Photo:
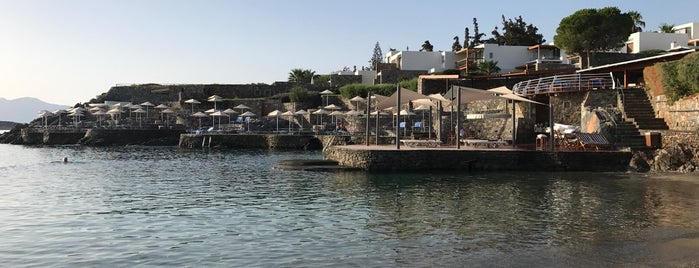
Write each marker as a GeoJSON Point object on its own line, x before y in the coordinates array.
{"type": "Point", "coordinates": [165, 206]}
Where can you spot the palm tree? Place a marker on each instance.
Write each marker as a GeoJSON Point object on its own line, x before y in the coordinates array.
{"type": "Point", "coordinates": [667, 28]}
{"type": "Point", "coordinates": [488, 67]}
{"type": "Point", "coordinates": [638, 22]}
{"type": "Point", "coordinates": [301, 76]}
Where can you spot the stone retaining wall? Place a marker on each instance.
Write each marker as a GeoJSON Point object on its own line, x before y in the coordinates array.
{"type": "Point", "coordinates": [269, 141]}
{"type": "Point", "coordinates": [478, 160]}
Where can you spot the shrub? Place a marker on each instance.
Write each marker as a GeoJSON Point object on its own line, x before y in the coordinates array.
{"type": "Point", "coordinates": [409, 84]}
{"type": "Point", "coordinates": [680, 78]}
{"type": "Point", "coordinates": [298, 94]}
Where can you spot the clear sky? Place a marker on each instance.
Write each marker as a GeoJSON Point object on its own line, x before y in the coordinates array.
{"type": "Point", "coordinates": [69, 51]}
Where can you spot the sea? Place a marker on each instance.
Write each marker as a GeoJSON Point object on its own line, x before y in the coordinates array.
{"type": "Point", "coordinates": [139, 206]}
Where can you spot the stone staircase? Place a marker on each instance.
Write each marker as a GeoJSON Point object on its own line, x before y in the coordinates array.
{"type": "Point", "coordinates": [639, 116]}
{"type": "Point", "coordinates": [639, 111]}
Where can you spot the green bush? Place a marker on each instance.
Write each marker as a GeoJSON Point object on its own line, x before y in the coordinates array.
{"type": "Point", "coordinates": [298, 94]}
{"type": "Point", "coordinates": [680, 78]}
{"type": "Point", "coordinates": [409, 84]}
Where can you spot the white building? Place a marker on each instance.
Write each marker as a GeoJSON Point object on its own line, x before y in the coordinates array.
{"type": "Point", "coordinates": [642, 41]}
{"type": "Point", "coordinates": [431, 61]}
{"type": "Point", "coordinates": [691, 30]}
{"type": "Point", "coordinates": [510, 58]}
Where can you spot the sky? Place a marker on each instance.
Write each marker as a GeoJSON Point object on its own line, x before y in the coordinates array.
{"type": "Point", "coordinates": [70, 51]}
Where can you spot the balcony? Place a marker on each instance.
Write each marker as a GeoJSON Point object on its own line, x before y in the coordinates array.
{"type": "Point", "coordinates": [564, 83]}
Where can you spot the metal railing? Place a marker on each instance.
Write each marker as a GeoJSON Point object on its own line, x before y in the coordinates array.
{"type": "Point", "coordinates": [565, 83]}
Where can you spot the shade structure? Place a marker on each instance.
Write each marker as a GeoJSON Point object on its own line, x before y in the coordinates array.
{"type": "Point", "coordinates": [192, 102]}
{"type": "Point", "coordinates": [406, 112]}
{"type": "Point", "coordinates": [44, 115]}
{"type": "Point", "coordinates": [59, 113]}
{"type": "Point", "coordinates": [288, 114]}
{"type": "Point", "coordinates": [248, 114]}
{"type": "Point", "coordinates": [277, 114]}
{"type": "Point", "coordinates": [161, 106]}
{"type": "Point", "coordinates": [114, 112]}
{"type": "Point", "coordinates": [354, 113]}
{"type": "Point", "coordinates": [470, 94]}
{"type": "Point", "coordinates": [139, 115]}
{"type": "Point", "coordinates": [99, 115]}
{"type": "Point", "coordinates": [200, 115]}
{"type": "Point", "coordinates": [407, 95]}
{"type": "Point", "coordinates": [320, 113]}
{"type": "Point", "coordinates": [218, 114]}
{"type": "Point", "coordinates": [242, 107]}
{"type": "Point", "coordinates": [334, 115]}
{"type": "Point", "coordinates": [147, 104]}
{"type": "Point", "coordinates": [230, 112]}
{"type": "Point", "coordinates": [332, 107]}
{"type": "Point", "coordinates": [209, 111]}
{"type": "Point", "coordinates": [167, 113]}
{"type": "Point", "coordinates": [215, 99]}
{"type": "Point", "coordinates": [324, 94]}
{"type": "Point", "coordinates": [505, 93]}
{"type": "Point", "coordinates": [357, 99]}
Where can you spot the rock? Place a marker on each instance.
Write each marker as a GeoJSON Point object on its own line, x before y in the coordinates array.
{"type": "Point", "coordinates": [639, 162]}
{"type": "Point", "coordinates": [674, 158]}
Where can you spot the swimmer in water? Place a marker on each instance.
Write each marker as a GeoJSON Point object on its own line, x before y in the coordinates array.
{"type": "Point", "coordinates": [65, 160]}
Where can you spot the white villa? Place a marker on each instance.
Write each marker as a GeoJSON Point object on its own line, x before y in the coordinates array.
{"type": "Point", "coordinates": [430, 61]}
{"type": "Point", "coordinates": [511, 58]}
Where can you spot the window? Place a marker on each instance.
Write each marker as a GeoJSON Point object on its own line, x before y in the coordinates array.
{"type": "Point", "coordinates": [490, 55]}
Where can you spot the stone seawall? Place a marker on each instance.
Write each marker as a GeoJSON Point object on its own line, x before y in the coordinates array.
{"type": "Point", "coordinates": [270, 141]}
{"type": "Point", "coordinates": [476, 160]}
{"type": "Point", "coordinates": [108, 137]}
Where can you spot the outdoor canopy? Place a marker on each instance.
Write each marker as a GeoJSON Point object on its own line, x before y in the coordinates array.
{"type": "Point", "coordinates": [407, 95]}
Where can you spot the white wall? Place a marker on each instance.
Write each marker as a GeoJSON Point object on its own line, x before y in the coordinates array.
{"type": "Point", "coordinates": [508, 57]}
{"type": "Point", "coordinates": [368, 76]}
{"type": "Point", "coordinates": [652, 40]}
{"type": "Point", "coordinates": [690, 29]}
{"type": "Point", "coordinates": [422, 60]}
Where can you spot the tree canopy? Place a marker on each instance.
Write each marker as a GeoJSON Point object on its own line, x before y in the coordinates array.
{"type": "Point", "coordinates": [301, 76]}
{"type": "Point", "coordinates": [638, 22]}
{"type": "Point", "coordinates": [667, 28]}
{"type": "Point", "coordinates": [427, 46]}
{"type": "Point", "coordinates": [589, 30]}
{"type": "Point", "coordinates": [456, 46]}
{"type": "Point", "coordinates": [377, 57]}
{"type": "Point", "coordinates": [516, 33]}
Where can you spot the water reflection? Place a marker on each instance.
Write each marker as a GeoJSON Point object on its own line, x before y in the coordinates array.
{"type": "Point", "coordinates": [178, 207]}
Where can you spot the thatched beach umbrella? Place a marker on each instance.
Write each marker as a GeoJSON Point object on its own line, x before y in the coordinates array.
{"type": "Point", "coordinates": [167, 113]}
{"type": "Point", "coordinates": [334, 115]}
{"type": "Point", "coordinates": [45, 114]}
{"type": "Point", "coordinates": [358, 100]}
{"type": "Point", "coordinates": [277, 114]}
{"type": "Point", "coordinates": [320, 113]}
{"type": "Point", "coordinates": [218, 114]}
{"type": "Point", "coordinates": [147, 104]}
{"type": "Point", "coordinates": [230, 112]}
{"type": "Point", "coordinates": [215, 99]}
{"type": "Point", "coordinates": [248, 114]}
{"type": "Point", "coordinates": [288, 114]}
{"type": "Point", "coordinates": [325, 94]}
{"type": "Point", "coordinates": [200, 115]}
{"type": "Point", "coordinates": [60, 113]}
{"type": "Point", "coordinates": [192, 102]}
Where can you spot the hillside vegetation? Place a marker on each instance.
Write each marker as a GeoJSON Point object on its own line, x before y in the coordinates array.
{"type": "Point", "coordinates": [680, 78]}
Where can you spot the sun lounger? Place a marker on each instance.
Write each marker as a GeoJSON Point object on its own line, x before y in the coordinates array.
{"type": "Point", "coordinates": [593, 141]}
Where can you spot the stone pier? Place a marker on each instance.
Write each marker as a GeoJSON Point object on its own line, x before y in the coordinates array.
{"type": "Point", "coordinates": [387, 158]}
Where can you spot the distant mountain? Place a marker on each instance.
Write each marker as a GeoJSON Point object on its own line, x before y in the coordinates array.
{"type": "Point", "coordinates": [24, 110]}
